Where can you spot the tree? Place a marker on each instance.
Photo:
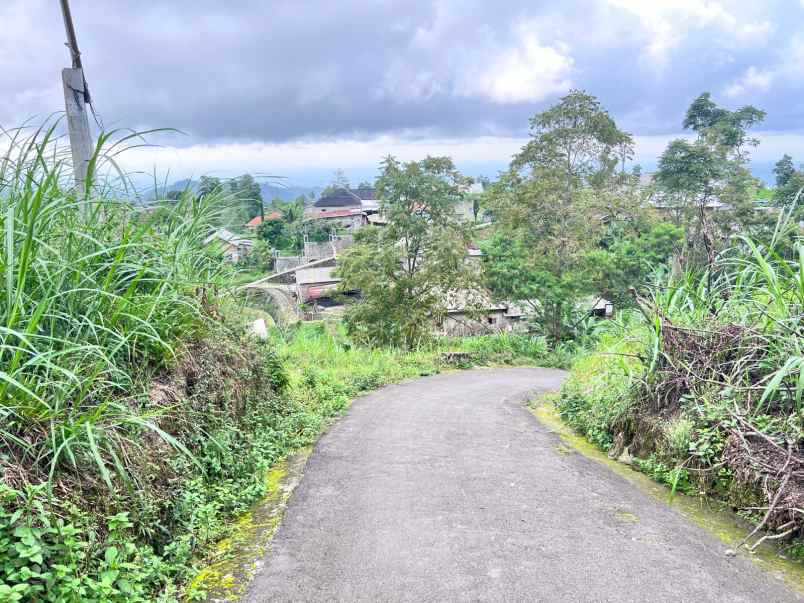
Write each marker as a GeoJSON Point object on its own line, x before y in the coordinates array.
{"type": "Point", "coordinates": [209, 186]}
{"type": "Point", "coordinates": [407, 270]}
{"type": "Point", "coordinates": [789, 193]}
{"type": "Point", "coordinates": [784, 170]}
{"type": "Point", "coordinates": [245, 195]}
{"type": "Point", "coordinates": [273, 232]}
{"type": "Point", "coordinates": [550, 208]}
{"type": "Point", "coordinates": [722, 129]}
{"type": "Point", "coordinates": [284, 233]}
{"type": "Point", "coordinates": [293, 212]}
{"type": "Point", "coordinates": [706, 182]}
{"type": "Point", "coordinates": [629, 259]}
{"type": "Point", "coordinates": [339, 181]}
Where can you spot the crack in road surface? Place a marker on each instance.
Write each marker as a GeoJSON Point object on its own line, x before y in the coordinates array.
{"type": "Point", "coordinates": [447, 489]}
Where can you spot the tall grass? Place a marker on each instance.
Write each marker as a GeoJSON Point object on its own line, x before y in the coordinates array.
{"type": "Point", "coordinates": [755, 304]}
{"type": "Point", "coordinates": [712, 385]}
{"type": "Point", "coordinates": [94, 294]}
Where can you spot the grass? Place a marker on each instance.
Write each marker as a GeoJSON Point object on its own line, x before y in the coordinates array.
{"type": "Point", "coordinates": [95, 294]}
{"type": "Point", "coordinates": [704, 385]}
{"type": "Point", "coordinates": [326, 370]}
{"type": "Point", "coordinates": [121, 452]}
{"type": "Point", "coordinates": [136, 420]}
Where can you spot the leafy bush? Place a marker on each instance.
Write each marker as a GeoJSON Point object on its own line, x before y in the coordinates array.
{"type": "Point", "coordinates": [597, 398]}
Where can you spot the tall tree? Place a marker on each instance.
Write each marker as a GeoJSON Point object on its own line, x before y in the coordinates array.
{"type": "Point", "coordinates": [784, 170]}
{"type": "Point", "coordinates": [707, 182]}
{"type": "Point", "coordinates": [339, 181]}
{"type": "Point", "coordinates": [209, 185]}
{"type": "Point", "coordinates": [246, 196]}
{"type": "Point", "coordinates": [550, 208]}
{"type": "Point", "coordinates": [407, 270]}
{"type": "Point", "coordinates": [789, 192]}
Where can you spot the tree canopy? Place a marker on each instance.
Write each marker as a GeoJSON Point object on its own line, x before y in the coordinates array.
{"type": "Point", "coordinates": [407, 270]}
{"type": "Point", "coordinates": [555, 206]}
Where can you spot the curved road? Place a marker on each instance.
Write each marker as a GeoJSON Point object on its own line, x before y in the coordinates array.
{"type": "Point", "coordinates": [447, 489]}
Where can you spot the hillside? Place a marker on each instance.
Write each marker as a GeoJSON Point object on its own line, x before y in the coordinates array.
{"type": "Point", "coordinates": [269, 190]}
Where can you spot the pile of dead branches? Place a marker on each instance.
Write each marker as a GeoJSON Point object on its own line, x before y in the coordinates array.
{"type": "Point", "coordinates": [694, 359]}
{"type": "Point", "coordinates": [726, 358]}
{"type": "Point", "coordinates": [774, 469]}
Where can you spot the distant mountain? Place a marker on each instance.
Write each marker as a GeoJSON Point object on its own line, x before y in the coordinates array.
{"type": "Point", "coordinates": [269, 190]}
{"type": "Point", "coordinates": [288, 193]}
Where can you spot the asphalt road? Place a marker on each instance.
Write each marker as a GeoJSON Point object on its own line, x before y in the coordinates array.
{"type": "Point", "coordinates": [447, 489]}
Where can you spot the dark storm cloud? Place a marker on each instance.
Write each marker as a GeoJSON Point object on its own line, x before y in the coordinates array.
{"type": "Point", "coordinates": [275, 71]}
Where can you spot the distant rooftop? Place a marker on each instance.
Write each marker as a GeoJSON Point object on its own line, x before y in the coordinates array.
{"type": "Point", "coordinates": [228, 236]}
{"type": "Point", "coordinates": [310, 276]}
{"type": "Point", "coordinates": [257, 220]}
{"type": "Point", "coordinates": [339, 198]}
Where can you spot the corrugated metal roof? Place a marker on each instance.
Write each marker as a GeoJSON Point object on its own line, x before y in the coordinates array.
{"type": "Point", "coordinates": [339, 198]}
{"type": "Point", "coordinates": [227, 236]}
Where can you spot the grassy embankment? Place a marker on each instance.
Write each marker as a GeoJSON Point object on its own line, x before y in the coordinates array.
{"type": "Point", "coordinates": [132, 421]}
{"type": "Point", "coordinates": [136, 420]}
{"type": "Point", "coordinates": [325, 370]}
{"type": "Point", "coordinates": [702, 389]}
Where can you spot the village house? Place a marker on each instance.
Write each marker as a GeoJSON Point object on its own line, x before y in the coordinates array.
{"type": "Point", "coordinates": [256, 221]}
{"type": "Point", "coordinates": [662, 204]}
{"type": "Point", "coordinates": [368, 198]}
{"type": "Point", "coordinates": [475, 313]}
{"type": "Point", "coordinates": [339, 199]}
{"type": "Point", "coordinates": [346, 218]}
{"type": "Point", "coordinates": [316, 283]}
{"type": "Point", "coordinates": [356, 200]}
{"type": "Point", "coordinates": [233, 247]}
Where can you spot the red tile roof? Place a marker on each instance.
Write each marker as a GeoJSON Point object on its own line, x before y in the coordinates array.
{"type": "Point", "coordinates": [257, 220]}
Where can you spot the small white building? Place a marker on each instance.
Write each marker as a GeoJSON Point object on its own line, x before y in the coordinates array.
{"type": "Point", "coordinates": [233, 247]}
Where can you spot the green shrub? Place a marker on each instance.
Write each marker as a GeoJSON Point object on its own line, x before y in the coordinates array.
{"type": "Point", "coordinates": [677, 478]}
{"type": "Point", "coordinates": [597, 398]}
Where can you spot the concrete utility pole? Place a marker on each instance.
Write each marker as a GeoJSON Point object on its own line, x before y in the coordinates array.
{"type": "Point", "coordinates": [76, 97]}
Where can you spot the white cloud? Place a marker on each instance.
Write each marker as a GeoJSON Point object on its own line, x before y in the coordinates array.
{"type": "Point", "coordinates": [300, 156]}
{"type": "Point", "coordinates": [526, 72]}
{"type": "Point", "coordinates": [666, 22]}
{"type": "Point", "coordinates": [753, 80]}
{"type": "Point", "coordinates": [304, 159]}
{"type": "Point", "coordinates": [789, 67]}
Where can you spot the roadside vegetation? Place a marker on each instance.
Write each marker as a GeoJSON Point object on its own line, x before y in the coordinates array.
{"type": "Point", "coordinates": [134, 421]}
{"type": "Point", "coordinates": [137, 418]}
{"type": "Point", "coordinates": [702, 387]}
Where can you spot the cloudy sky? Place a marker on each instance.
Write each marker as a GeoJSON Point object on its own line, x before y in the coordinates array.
{"type": "Point", "coordinates": [300, 88]}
